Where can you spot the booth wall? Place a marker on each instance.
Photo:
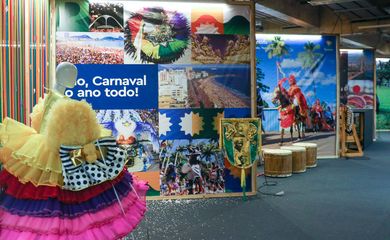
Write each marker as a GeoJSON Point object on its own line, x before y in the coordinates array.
{"type": "Point", "coordinates": [24, 36]}
{"type": "Point", "coordinates": [357, 82]}
{"type": "Point", "coordinates": [357, 78]}
{"type": "Point", "coordinates": [161, 75]}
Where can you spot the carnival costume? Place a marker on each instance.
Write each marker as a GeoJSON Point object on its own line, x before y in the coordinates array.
{"type": "Point", "coordinates": [64, 177]}
{"type": "Point", "coordinates": [285, 107]}
{"type": "Point", "coordinates": [295, 93]}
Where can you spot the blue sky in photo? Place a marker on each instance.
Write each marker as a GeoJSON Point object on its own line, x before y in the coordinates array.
{"type": "Point", "coordinates": [317, 84]}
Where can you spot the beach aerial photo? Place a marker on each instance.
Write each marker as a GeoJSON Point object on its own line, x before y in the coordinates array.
{"type": "Point", "coordinates": [215, 86]}
{"type": "Point", "coordinates": [221, 86]}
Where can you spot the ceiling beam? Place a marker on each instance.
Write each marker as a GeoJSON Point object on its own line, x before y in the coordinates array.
{"type": "Point", "coordinates": [371, 18]}
{"type": "Point", "coordinates": [348, 43]}
{"type": "Point", "coordinates": [326, 2]}
{"type": "Point", "coordinates": [353, 9]}
{"type": "Point", "coordinates": [290, 11]}
{"type": "Point", "coordinates": [374, 26]}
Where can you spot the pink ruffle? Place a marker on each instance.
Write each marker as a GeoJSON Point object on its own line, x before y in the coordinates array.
{"type": "Point", "coordinates": [109, 223]}
{"type": "Point", "coordinates": [27, 190]}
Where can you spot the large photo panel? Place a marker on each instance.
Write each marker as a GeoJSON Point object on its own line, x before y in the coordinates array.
{"type": "Point", "coordinates": [160, 76]}
{"type": "Point", "coordinates": [357, 78]}
{"type": "Point", "coordinates": [297, 90]}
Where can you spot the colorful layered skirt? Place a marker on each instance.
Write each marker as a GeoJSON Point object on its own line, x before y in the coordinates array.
{"type": "Point", "coordinates": [100, 200]}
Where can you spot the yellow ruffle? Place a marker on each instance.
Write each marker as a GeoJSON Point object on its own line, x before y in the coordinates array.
{"type": "Point", "coordinates": [33, 156]}
{"type": "Point", "coordinates": [29, 147]}
{"type": "Point", "coordinates": [26, 173]}
{"type": "Point", "coordinates": [37, 115]}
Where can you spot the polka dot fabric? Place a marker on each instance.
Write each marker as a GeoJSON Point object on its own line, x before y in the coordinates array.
{"type": "Point", "coordinates": [85, 175]}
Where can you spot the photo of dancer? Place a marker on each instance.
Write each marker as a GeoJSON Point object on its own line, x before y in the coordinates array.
{"type": "Point", "coordinates": [191, 167]}
{"type": "Point", "coordinates": [105, 17]}
{"type": "Point", "coordinates": [89, 48]}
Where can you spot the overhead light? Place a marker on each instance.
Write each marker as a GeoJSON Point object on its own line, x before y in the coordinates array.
{"type": "Point", "coordinates": [352, 51]}
{"type": "Point", "coordinates": [292, 37]}
{"type": "Point", "coordinates": [382, 59]}
{"type": "Point", "coordinates": [326, 2]}
{"type": "Point", "coordinates": [374, 26]}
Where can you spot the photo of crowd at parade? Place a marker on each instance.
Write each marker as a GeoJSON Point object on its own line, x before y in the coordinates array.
{"type": "Point", "coordinates": [191, 169]}
{"type": "Point", "coordinates": [88, 55]}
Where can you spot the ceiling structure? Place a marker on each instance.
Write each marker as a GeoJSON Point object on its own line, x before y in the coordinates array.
{"type": "Point", "coordinates": [360, 23]}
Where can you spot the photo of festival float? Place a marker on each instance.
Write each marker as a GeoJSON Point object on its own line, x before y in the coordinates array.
{"type": "Point", "coordinates": [296, 86]}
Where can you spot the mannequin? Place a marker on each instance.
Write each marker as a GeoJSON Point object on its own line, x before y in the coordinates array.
{"type": "Point", "coordinates": [66, 76]}
{"type": "Point", "coordinates": [64, 178]}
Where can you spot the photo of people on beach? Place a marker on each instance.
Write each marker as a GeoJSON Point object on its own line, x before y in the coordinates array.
{"type": "Point", "coordinates": [105, 17]}
{"type": "Point", "coordinates": [220, 49]}
{"type": "Point", "coordinates": [209, 86]}
{"type": "Point", "coordinates": [89, 48]}
{"type": "Point", "coordinates": [190, 167]}
{"type": "Point", "coordinates": [219, 86]}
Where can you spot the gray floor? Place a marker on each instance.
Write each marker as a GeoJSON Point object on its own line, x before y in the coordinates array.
{"type": "Point", "coordinates": [325, 141]}
{"type": "Point", "coordinates": [340, 199]}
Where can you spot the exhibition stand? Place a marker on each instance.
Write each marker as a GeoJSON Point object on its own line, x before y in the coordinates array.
{"type": "Point", "coordinates": [162, 75]}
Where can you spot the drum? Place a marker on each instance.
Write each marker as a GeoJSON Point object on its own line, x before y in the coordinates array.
{"type": "Point", "coordinates": [277, 162]}
{"type": "Point", "coordinates": [298, 158]}
{"type": "Point", "coordinates": [311, 153]}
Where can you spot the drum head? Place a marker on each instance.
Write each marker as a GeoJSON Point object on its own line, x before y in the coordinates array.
{"type": "Point", "coordinates": [277, 151]}
{"type": "Point", "coordinates": [294, 148]}
{"type": "Point", "coordinates": [305, 144]}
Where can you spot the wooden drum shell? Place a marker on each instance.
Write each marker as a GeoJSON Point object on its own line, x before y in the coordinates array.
{"type": "Point", "coordinates": [277, 164]}
{"type": "Point", "coordinates": [311, 153]}
{"type": "Point", "coordinates": [298, 158]}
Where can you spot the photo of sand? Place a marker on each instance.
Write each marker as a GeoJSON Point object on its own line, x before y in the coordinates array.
{"type": "Point", "coordinates": [219, 86]}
